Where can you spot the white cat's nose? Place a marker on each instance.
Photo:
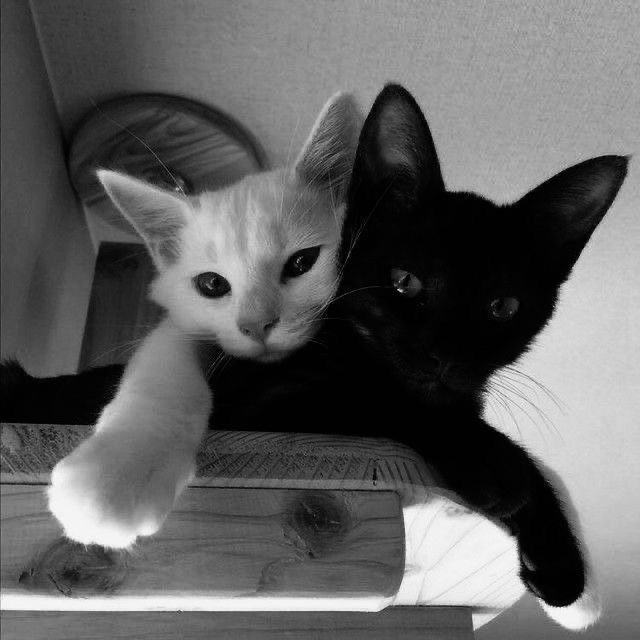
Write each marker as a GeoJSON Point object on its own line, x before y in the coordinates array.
{"type": "Point", "coordinates": [257, 329]}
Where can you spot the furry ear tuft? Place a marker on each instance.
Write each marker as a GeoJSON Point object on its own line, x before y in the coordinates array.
{"type": "Point", "coordinates": [157, 215]}
{"type": "Point", "coordinates": [572, 203]}
{"type": "Point", "coordinates": [326, 159]}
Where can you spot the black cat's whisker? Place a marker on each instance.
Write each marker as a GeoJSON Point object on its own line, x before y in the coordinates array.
{"type": "Point", "coordinates": [504, 391]}
{"type": "Point", "coordinates": [521, 384]}
{"type": "Point", "coordinates": [543, 388]}
{"type": "Point", "coordinates": [546, 421]}
{"type": "Point", "coordinates": [530, 417]}
{"type": "Point", "coordinates": [543, 415]}
{"type": "Point", "coordinates": [526, 386]}
{"type": "Point", "coordinates": [362, 227]}
{"type": "Point", "coordinates": [373, 286]}
{"type": "Point", "coordinates": [503, 399]}
{"type": "Point", "coordinates": [494, 405]}
{"type": "Point", "coordinates": [503, 403]}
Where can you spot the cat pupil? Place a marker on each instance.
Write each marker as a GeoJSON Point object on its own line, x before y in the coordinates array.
{"type": "Point", "coordinates": [405, 283]}
{"type": "Point", "coordinates": [212, 285]}
{"type": "Point", "coordinates": [300, 262]}
{"type": "Point", "coordinates": [504, 308]}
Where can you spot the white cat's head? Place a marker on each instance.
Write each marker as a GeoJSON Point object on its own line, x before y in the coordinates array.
{"type": "Point", "coordinates": [251, 266]}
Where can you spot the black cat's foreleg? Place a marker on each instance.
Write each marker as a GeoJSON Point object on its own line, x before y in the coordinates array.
{"type": "Point", "coordinates": [483, 466]}
{"type": "Point", "coordinates": [552, 563]}
{"type": "Point", "coordinates": [498, 478]}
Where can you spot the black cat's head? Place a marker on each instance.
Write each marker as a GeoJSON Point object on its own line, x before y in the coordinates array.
{"type": "Point", "coordinates": [445, 288]}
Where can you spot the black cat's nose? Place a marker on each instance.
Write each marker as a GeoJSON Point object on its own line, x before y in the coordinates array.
{"type": "Point", "coordinates": [432, 365]}
{"type": "Point", "coordinates": [257, 329]}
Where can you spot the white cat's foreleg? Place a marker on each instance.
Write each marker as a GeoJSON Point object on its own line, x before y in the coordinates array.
{"type": "Point", "coordinates": [123, 480]}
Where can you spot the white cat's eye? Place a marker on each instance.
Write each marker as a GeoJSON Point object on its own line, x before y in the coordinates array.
{"type": "Point", "coordinates": [405, 283]}
{"type": "Point", "coordinates": [211, 285]}
{"type": "Point", "coordinates": [300, 262]}
{"type": "Point", "coordinates": [503, 309]}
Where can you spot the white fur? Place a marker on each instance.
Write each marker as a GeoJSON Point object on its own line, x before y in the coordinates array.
{"type": "Point", "coordinates": [246, 233]}
{"type": "Point", "coordinates": [122, 481]}
{"type": "Point", "coordinates": [579, 615]}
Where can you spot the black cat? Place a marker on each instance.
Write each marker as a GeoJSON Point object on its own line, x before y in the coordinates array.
{"type": "Point", "coordinates": [439, 291]}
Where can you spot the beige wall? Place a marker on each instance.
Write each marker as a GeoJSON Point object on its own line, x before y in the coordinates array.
{"type": "Point", "coordinates": [47, 259]}
{"type": "Point", "coordinates": [514, 90]}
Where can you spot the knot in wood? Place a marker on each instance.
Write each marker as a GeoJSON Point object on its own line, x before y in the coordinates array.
{"type": "Point", "coordinates": [76, 570]}
{"type": "Point", "coordinates": [320, 520]}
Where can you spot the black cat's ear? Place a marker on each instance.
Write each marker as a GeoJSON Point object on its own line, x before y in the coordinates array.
{"type": "Point", "coordinates": [157, 215]}
{"type": "Point", "coordinates": [572, 203]}
{"type": "Point", "coordinates": [326, 160]}
{"type": "Point", "coordinates": [396, 149]}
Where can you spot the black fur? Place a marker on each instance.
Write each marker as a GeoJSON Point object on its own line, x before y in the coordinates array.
{"type": "Point", "coordinates": [442, 345]}
{"type": "Point", "coordinates": [71, 399]}
{"type": "Point", "coordinates": [415, 369]}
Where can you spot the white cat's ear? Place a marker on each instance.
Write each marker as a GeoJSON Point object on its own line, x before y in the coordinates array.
{"type": "Point", "coordinates": [396, 148]}
{"type": "Point", "coordinates": [326, 160]}
{"type": "Point", "coordinates": [157, 215]}
{"type": "Point", "coordinates": [571, 204]}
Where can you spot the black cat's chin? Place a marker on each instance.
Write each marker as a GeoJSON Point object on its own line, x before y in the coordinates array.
{"type": "Point", "coordinates": [435, 392]}
{"type": "Point", "coordinates": [454, 385]}
{"type": "Point", "coordinates": [438, 391]}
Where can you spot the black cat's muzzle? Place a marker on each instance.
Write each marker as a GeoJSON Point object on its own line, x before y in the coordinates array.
{"type": "Point", "coordinates": [446, 382]}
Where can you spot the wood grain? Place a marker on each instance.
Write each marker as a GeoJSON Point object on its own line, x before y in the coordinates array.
{"type": "Point", "coordinates": [216, 544]}
{"type": "Point", "coordinates": [451, 556]}
{"type": "Point", "coordinates": [407, 623]}
{"type": "Point", "coordinates": [246, 459]}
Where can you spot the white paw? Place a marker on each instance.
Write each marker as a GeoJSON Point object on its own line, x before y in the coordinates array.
{"type": "Point", "coordinates": [111, 489]}
{"type": "Point", "coordinates": [579, 615]}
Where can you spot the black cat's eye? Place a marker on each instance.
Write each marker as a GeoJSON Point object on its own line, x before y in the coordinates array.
{"type": "Point", "coordinates": [211, 285]}
{"type": "Point", "coordinates": [503, 309]}
{"type": "Point", "coordinates": [405, 283]}
{"type": "Point", "coordinates": [300, 262]}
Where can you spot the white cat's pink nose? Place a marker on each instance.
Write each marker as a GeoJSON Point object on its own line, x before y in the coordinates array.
{"type": "Point", "coordinates": [257, 329]}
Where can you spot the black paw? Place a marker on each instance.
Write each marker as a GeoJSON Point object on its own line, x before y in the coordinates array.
{"type": "Point", "coordinates": [553, 571]}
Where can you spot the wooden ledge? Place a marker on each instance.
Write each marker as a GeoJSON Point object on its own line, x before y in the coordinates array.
{"type": "Point", "coordinates": [407, 623]}
{"type": "Point", "coordinates": [330, 524]}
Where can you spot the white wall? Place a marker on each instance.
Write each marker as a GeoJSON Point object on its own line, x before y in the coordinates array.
{"type": "Point", "coordinates": [47, 259]}
{"type": "Point", "coordinates": [514, 91]}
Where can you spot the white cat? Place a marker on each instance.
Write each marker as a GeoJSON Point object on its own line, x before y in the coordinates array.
{"type": "Point", "coordinates": [250, 268]}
